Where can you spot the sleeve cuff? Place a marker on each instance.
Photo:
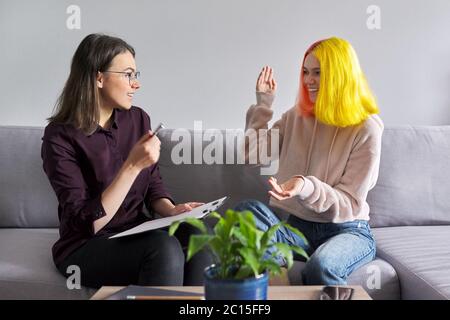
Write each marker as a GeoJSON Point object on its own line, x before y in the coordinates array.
{"type": "Point", "coordinates": [94, 210]}
{"type": "Point", "coordinates": [307, 189]}
{"type": "Point", "coordinates": [264, 99]}
{"type": "Point", "coordinates": [160, 196]}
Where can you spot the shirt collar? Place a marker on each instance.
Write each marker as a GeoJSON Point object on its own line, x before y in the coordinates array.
{"type": "Point", "coordinates": [115, 116]}
{"type": "Point", "coordinates": [115, 122]}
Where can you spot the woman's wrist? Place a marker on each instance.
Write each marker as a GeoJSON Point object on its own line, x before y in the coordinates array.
{"type": "Point", "coordinates": [305, 188]}
{"type": "Point", "coordinates": [300, 184]}
{"type": "Point", "coordinates": [130, 169]}
{"type": "Point", "coordinates": [163, 206]}
{"type": "Point", "coordinates": [265, 99]}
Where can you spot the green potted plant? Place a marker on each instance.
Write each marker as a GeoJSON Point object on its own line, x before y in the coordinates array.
{"type": "Point", "coordinates": [242, 267]}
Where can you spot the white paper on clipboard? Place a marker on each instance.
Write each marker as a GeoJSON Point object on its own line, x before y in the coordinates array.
{"type": "Point", "coordinates": [198, 212]}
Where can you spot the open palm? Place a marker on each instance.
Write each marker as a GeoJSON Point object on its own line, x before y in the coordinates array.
{"type": "Point", "coordinates": [286, 190]}
{"type": "Point", "coordinates": [266, 83]}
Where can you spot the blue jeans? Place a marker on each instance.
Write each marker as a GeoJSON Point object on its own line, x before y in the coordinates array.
{"type": "Point", "coordinates": [335, 249]}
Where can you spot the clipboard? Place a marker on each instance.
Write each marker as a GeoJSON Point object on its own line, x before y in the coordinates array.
{"type": "Point", "coordinates": [198, 212]}
{"type": "Point", "coordinates": [133, 292]}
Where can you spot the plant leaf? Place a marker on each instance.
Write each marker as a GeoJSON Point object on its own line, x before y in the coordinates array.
{"type": "Point", "coordinates": [196, 243]}
{"type": "Point", "coordinates": [174, 226]}
{"type": "Point", "coordinates": [247, 227]}
{"type": "Point", "coordinates": [217, 246]}
{"type": "Point", "coordinates": [258, 236]}
{"type": "Point", "coordinates": [238, 246]}
{"type": "Point", "coordinates": [286, 252]}
{"type": "Point", "coordinates": [197, 223]}
{"type": "Point", "coordinates": [238, 234]}
{"type": "Point", "coordinates": [295, 230]}
{"type": "Point", "coordinates": [250, 259]}
{"type": "Point", "coordinates": [271, 266]}
{"type": "Point", "coordinates": [214, 214]}
{"type": "Point", "coordinates": [225, 224]}
{"type": "Point", "coordinates": [268, 235]}
{"type": "Point", "coordinates": [300, 251]}
{"type": "Point", "coordinates": [219, 227]}
{"type": "Point", "coordinates": [249, 230]}
{"type": "Point", "coordinates": [244, 272]}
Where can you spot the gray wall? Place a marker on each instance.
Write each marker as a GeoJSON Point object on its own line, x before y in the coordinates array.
{"type": "Point", "coordinates": [200, 58]}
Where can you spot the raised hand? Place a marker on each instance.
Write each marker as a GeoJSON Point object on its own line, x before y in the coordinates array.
{"type": "Point", "coordinates": [266, 83]}
{"type": "Point", "coordinates": [287, 189]}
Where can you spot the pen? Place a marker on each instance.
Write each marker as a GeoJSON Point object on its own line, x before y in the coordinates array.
{"type": "Point", "coordinates": [159, 127]}
{"type": "Point", "coordinates": [165, 298]}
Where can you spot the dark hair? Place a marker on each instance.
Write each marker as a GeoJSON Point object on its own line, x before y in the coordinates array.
{"type": "Point", "coordinates": [78, 103]}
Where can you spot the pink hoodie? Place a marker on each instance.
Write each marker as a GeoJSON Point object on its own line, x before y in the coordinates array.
{"type": "Point", "coordinates": [339, 165]}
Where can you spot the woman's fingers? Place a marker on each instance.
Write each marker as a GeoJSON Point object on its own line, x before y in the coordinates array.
{"type": "Point", "coordinates": [281, 196]}
{"type": "Point", "coordinates": [280, 192]}
{"type": "Point", "coordinates": [261, 80]}
{"type": "Point", "coordinates": [265, 74]}
{"type": "Point", "coordinates": [273, 85]}
{"type": "Point", "coordinates": [270, 76]}
{"type": "Point", "coordinates": [195, 204]}
{"type": "Point", "coordinates": [266, 83]}
{"type": "Point", "coordinates": [184, 208]}
{"type": "Point", "coordinates": [179, 209]}
{"type": "Point", "coordinates": [275, 186]}
{"type": "Point", "coordinates": [145, 137]}
{"type": "Point", "coordinates": [277, 196]}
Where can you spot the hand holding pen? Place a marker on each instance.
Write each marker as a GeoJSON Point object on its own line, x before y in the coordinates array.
{"type": "Point", "coordinates": [146, 151]}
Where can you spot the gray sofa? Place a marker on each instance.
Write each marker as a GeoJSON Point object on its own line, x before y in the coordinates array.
{"type": "Point", "coordinates": [410, 213]}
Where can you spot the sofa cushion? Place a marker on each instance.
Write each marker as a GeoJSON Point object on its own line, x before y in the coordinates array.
{"type": "Point", "coordinates": [397, 199]}
{"type": "Point", "coordinates": [413, 184]}
{"type": "Point", "coordinates": [421, 257]}
{"type": "Point", "coordinates": [27, 270]}
{"type": "Point", "coordinates": [27, 199]}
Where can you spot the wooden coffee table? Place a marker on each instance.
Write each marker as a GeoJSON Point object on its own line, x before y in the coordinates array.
{"type": "Point", "coordinates": [274, 292]}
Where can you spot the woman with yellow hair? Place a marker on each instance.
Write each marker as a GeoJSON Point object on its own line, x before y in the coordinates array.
{"type": "Point", "coordinates": [329, 155]}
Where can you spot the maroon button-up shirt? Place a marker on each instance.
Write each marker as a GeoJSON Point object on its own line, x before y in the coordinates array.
{"type": "Point", "coordinates": [81, 167]}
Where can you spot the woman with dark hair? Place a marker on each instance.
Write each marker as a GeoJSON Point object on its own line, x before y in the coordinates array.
{"type": "Point", "coordinates": [101, 158]}
{"type": "Point", "coordinates": [329, 156]}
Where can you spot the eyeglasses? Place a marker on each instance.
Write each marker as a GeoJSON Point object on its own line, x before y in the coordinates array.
{"type": "Point", "coordinates": [132, 76]}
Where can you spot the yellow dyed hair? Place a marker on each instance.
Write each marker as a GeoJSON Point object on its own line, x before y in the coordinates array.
{"type": "Point", "coordinates": [344, 97]}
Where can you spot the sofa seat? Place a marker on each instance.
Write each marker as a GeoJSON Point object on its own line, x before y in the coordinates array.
{"type": "Point", "coordinates": [26, 266]}
{"type": "Point", "coordinates": [421, 257]}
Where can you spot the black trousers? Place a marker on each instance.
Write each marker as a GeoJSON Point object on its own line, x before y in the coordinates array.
{"type": "Point", "coordinates": [152, 258]}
